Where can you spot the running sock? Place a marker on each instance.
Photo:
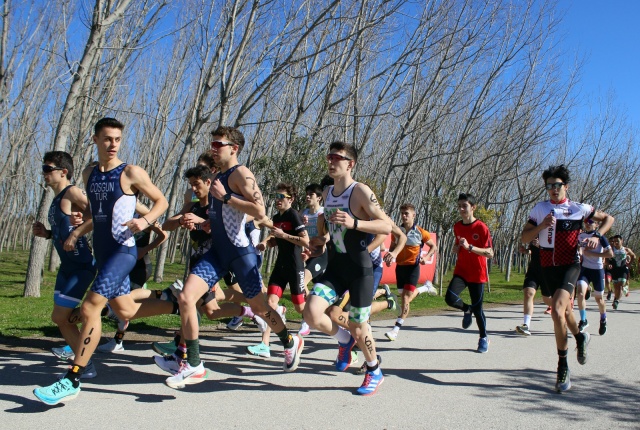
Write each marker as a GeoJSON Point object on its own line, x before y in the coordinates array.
{"type": "Point", "coordinates": [583, 314]}
{"type": "Point", "coordinates": [193, 352]}
{"type": "Point", "coordinates": [343, 336]}
{"type": "Point", "coordinates": [73, 374]}
{"type": "Point", "coordinates": [118, 337]}
{"type": "Point", "coordinates": [373, 366]}
{"type": "Point", "coordinates": [286, 338]}
{"type": "Point", "coordinates": [399, 323]}
{"type": "Point", "coordinates": [247, 312]}
{"type": "Point", "coordinates": [527, 320]}
{"type": "Point", "coordinates": [176, 310]}
{"type": "Point", "coordinates": [603, 317]}
{"type": "Point", "coordinates": [181, 352]}
{"type": "Point", "coordinates": [562, 358]}
{"type": "Point", "coordinates": [579, 337]}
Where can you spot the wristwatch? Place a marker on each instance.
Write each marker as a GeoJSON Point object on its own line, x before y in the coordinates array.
{"type": "Point", "coordinates": [470, 248]}
{"type": "Point", "coordinates": [226, 198]}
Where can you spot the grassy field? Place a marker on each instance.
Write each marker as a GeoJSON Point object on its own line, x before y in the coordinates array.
{"type": "Point", "coordinates": [25, 317]}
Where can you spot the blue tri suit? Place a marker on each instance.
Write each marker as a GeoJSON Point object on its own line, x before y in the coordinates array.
{"type": "Point", "coordinates": [114, 245]}
{"type": "Point", "coordinates": [77, 267]}
{"type": "Point", "coordinates": [233, 250]}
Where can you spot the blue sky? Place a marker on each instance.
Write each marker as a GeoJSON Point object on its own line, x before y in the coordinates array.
{"type": "Point", "coordinates": [607, 34]}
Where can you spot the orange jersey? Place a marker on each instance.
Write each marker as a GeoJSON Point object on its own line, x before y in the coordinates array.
{"type": "Point", "coordinates": [410, 254]}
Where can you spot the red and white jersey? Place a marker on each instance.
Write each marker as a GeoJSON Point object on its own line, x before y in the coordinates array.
{"type": "Point", "coordinates": [559, 243]}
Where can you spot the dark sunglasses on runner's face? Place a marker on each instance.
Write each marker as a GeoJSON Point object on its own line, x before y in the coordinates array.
{"type": "Point", "coordinates": [337, 157]}
{"type": "Point", "coordinates": [217, 144]}
{"type": "Point", "coordinates": [48, 169]}
{"type": "Point", "coordinates": [554, 186]}
{"type": "Point", "coordinates": [282, 196]}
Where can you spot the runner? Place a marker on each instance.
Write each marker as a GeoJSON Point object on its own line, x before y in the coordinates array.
{"type": "Point", "coordinates": [235, 194]}
{"type": "Point", "coordinates": [352, 211]}
{"type": "Point", "coordinates": [473, 246]}
{"type": "Point", "coordinates": [532, 281]}
{"type": "Point", "coordinates": [408, 260]}
{"type": "Point", "coordinates": [289, 234]}
{"type": "Point", "coordinates": [618, 269]}
{"type": "Point", "coordinates": [592, 271]}
{"type": "Point", "coordinates": [112, 186]}
{"type": "Point", "coordinates": [556, 223]}
{"type": "Point", "coordinates": [77, 268]}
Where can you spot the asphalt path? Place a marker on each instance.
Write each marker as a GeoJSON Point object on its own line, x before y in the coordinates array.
{"type": "Point", "coordinates": [434, 378]}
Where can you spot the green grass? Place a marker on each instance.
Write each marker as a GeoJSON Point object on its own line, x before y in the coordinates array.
{"type": "Point", "coordinates": [25, 317]}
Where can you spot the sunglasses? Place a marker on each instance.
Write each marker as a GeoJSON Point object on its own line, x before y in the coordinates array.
{"type": "Point", "coordinates": [218, 144]}
{"type": "Point", "coordinates": [554, 186]}
{"type": "Point", "coordinates": [48, 169]}
{"type": "Point", "coordinates": [337, 157]}
{"type": "Point", "coordinates": [282, 196]}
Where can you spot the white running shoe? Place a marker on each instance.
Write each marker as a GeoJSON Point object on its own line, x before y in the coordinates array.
{"type": "Point", "coordinates": [168, 363]}
{"type": "Point", "coordinates": [176, 287]}
{"type": "Point", "coordinates": [304, 329]}
{"type": "Point", "coordinates": [429, 289]}
{"type": "Point", "coordinates": [292, 355]}
{"type": "Point", "coordinates": [111, 346]}
{"type": "Point", "coordinates": [392, 334]}
{"type": "Point", "coordinates": [187, 375]}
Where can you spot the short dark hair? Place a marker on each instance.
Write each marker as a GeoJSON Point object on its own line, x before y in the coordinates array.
{"type": "Point", "coordinates": [107, 122]}
{"type": "Point", "coordinates": [289, 188]}
{"type": "Point", "coordinates": [349, 149]}
{"type": "Point", "coordinates": [617, 236]}
{"type": "Point", "coordinates": [60, 159]}
{"type": "Point", "coordinates": [200, 172]}
{"type": "Point", "coordinates": [406, 206]}
{"type": "Point", "coordinates": [560, 172]}
{"type": "Point", "coordinates": [314, 188]}
{"type": "Point", "coordinates": [326, 181]}
{"type": "Point", "coordinates": [467, 198]}
{"type": "Point", "coordinates": [207, 158]}
{"type": "Point", "coordinates": [232, 134]}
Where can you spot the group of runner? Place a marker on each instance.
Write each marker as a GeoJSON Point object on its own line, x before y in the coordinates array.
{"type": "Point", "coordinates": [336, 244]}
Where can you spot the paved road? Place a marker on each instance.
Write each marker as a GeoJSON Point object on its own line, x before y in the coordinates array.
{"type": "Point", "coordinates": [434, 379]}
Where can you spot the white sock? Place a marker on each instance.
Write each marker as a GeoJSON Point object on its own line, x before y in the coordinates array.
{"type": "Point", "coordinates": [342, 336]}
{"type": "Point", "coordinates": [527, 320]}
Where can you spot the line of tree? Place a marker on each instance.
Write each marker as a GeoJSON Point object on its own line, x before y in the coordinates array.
{"type": "Point", "coordinates": [439, 96]}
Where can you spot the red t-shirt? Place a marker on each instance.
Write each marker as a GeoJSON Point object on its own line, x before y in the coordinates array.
{"type": "Point", "coordinates": [470, 266]}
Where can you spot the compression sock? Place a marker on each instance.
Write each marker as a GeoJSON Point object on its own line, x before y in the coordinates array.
{"type": "Point", "coordinates": [603, 317]}
{"type": "Point", "coordinates": [285, 338]}
{"type": "Point", "coordinates": [193, 352]}
{"type": "Point", "coordinates": [562, 358]}
{"type": "Point", "coordinates": [583, 314]}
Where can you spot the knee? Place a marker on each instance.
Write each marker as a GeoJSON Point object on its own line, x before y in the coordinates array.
{"type": "Point", "coordinates": [529, 293]}
{"type": "Point", "coordinates": [558, 312]}
{"type": "Point", "coordinates": [450, 299]}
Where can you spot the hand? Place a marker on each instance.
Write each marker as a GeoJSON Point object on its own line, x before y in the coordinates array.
{"type": "Point", "coordinates": [206, 226]}
{"type": "Point", "coordinates": [423, 260]}
{"type": "Point", "coordinates": [591, 242]}
{"type": "Point", "coordinates": [342, 218]}
{"type": "Point", "coordinates": [463, 243]}
{"type": "Point", "coordinates": [305, 219]}
{"type": "Point", "coordinates": [76, 218]}
{"type": "Point", "coordinates": [548, 221]}
{"type": "Point", "coordinates": [306, 255]}
{"type": "Point", "coordinates": [70, 243]}
{"type": "Point", "coordinates": [278, 233]}
{"type": "Point", "coordinates": [39, 230]}
{"type": "Point", "coordinates": [136, 225]}
{"type": "Point", "coordinates": [389, 258]}
{"type": "Point", "coordinates": [189, 221]}
{"type": "Point", "coordinates": [217, 189]}
{"type": "Point", "coordinates": [261, 246]}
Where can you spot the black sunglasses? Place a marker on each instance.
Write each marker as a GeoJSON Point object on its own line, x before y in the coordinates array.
{"type": "Point", "coordinates": [217, 144]}
{"type": "Point", "coordinates": [48, 169]}
{"type": "Point", "coordinates": [554, 186]}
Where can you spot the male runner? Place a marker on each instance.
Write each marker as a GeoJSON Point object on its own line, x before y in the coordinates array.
{"type": "Point", "coordinates": [592, 271]}
{"type": "Point", "coordinates": [235, 195]}
{"type": "Point", "coordinates": [112, 187]}
{"type": "Point", "coordinates": [77, 268]}
{"type": "Point", "coordinates": [408, 261]}
{"type": "Point", "coordinates": [618, 269]}
{"type": "Point", "coordinates": [556, 223]}
{"type": "Point", "coordinates": [352, 212]}
{"type": "Point", "coordinates": [473, 246]}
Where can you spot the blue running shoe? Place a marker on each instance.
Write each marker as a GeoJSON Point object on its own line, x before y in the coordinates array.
{"type": "Point", "coordinates": [371, 383]}
{"type": "Point", "coordinates": [61, 391]}
{"type": "Point", "coordinates": [466, 319]}
{"type": "Point", "coordinates": [63, 353]}
{"type": "Point", "coordinates": [344, 355]}
{"type": "Point", "coordinates": [483, 345]}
